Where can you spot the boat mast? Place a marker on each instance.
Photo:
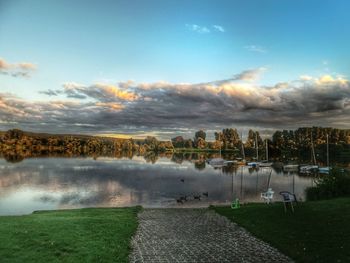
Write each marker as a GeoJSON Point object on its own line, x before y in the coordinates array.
{"type": "Point", "coordinates": [313, 151]}
{"type": "Point", "coordinates": [327, 151]}
{"type": "Point", "coordinates": [243, 153]}
{"type": "Point", "coordinates": [256, 145]}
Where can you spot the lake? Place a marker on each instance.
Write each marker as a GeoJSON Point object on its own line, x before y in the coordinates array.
{"type": "Point", "coordinates": [64, 183]}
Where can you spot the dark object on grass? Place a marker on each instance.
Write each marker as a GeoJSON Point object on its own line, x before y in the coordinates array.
{"type": "Point", "coordinates": [179, 201]}
{"type": "Point", "coordinates": [184, 197]}
{"type": "Point", "coordinates": [288, 198]}
{"type": "Point", "coordinates": [197, 197]}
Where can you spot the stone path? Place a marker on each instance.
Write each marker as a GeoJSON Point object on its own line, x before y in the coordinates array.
{"type": "Point", "coordinates": [196, 235]}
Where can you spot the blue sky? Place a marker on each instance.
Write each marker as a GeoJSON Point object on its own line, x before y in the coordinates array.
{"type": "Point", "coordinates": [89, 42]}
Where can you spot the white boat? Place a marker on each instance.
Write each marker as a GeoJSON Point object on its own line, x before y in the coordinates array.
{"type": "Point", "coordinates": [265, 163]}
{"type": "Point", "coordinates": [325, 170]}
{"type": "Point", "coordinates": [291, 167]}
{"type": "Point", "coordinates": [241, 161]}
{"type": "Point", "coordinates": [308, 168]}
{"type": "Point", "coordinates": [254, 164]}
{"type": "Point", "coordinates": [219, 162]}
{"type": "Point", "coordinates": [216, 161]}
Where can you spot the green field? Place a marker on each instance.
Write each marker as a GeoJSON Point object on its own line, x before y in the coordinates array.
{"type": "Point", "coordinates": [318, 231]}
{"type": "Point", "coordinates": [82, 235]}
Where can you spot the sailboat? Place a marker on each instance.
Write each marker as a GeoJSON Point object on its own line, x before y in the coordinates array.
{"type": "Point", "coordinates": [310, 168]}
{"type": "Point", "coordinates": [255, 164]}
{"type": "Point", "coordinates": [218, 162]}
{"type": "Point", "coordinates": [291, 167]}
{"type": "Point", "coordinates": [325, 170]}
{"type": "Point", "coordinates": [241, 161]}
{"type": "Point", "coordinates": [266, 162]}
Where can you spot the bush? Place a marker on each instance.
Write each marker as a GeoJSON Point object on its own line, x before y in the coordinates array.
{"type": "Point", "coordinates": [336, 184]}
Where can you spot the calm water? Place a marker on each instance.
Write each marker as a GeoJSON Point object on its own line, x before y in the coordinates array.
{"type": "Point", "coordinates": [60, 183]}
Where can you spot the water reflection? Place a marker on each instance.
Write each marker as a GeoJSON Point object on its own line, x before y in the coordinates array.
{"type": "Point", "coordinates": [59, 183]}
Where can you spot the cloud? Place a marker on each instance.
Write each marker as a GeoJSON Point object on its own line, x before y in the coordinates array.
{"type": "Point", "coordinates": [99, 92]}
{"type": "Point", "coordinates": [306, 77]}
{"type": "Point", "coordinates": [50, 92]}
{"type": "Point", "coordinates": [23, 69]}
{"type": "Point", "coordinates": [250, 75]}
{"type": "Point", "coordinates": [219, 28]}
{"type": "Point", "coordinates": [198, 29]}
{"type": "Point", "coordinates": [204, 29]}
{"type": "Point", "coordinates": [170, 108]}
{"type": "Point", "coordinates": [255, 48]}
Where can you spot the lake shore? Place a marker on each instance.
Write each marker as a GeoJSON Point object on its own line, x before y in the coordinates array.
{"type": "Point", "coordinates": [316, 232]}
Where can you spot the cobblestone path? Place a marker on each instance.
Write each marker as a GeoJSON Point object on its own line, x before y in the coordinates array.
{"type": "Point", "coordinates": [196, 235]}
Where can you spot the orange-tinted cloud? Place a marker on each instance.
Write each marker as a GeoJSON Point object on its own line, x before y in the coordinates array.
{"type": "Point", "coordinates": [22, 69]}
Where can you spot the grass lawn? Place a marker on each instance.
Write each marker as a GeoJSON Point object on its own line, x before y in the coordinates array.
{"type": "Point", "coordinates": [82, 235]}
{"type": "Point", "coordinates": [318, 231]}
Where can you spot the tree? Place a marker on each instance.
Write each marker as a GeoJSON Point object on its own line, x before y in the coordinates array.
{"type": "Point", "coordinates": [178, 142]}
{"type": "Point", "coordinates": [152, 143]}
{"type": "Point", "coordinates": [201, 143]}
{"type": "Point", "coordinates": [200, 134]}
{"type": "Point", "coordinates": [188, 143]}
{"type": "Point", "coordinates": [252, 138]}
{"type": "Point", "coordinates": [230, 138]}
{"type": "Point", "coordinates": [199, 139]}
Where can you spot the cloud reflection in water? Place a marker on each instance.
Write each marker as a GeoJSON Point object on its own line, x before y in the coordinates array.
{"type": "Point", "coordinates": [58, 183]}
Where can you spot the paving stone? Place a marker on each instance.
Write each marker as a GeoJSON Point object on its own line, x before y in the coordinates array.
{"type": "Point", "coordinates": [196, 235]}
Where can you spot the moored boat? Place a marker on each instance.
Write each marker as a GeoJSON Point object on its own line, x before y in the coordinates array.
{"type": "Point", "coordinates": [265, 163]}
{"type": "Point", "coordinates": [324, 170]}
{"type": "Point", "coordinates": [253, 164]}
{"type": "Point", "coordinates": [291, 167]}
{"type": "Point", "coordinates": [308, 168]}
{"type": "Point", "coordinates": [216, 161]}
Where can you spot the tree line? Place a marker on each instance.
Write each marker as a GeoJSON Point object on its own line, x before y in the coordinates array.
{"type": "Point", "coordinates": [291, 142]}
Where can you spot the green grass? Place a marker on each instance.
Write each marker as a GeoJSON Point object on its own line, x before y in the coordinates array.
{"type": "Point", "coordinates": [82, 235]}
{"type": "Point", "coordinates": [318, 231]}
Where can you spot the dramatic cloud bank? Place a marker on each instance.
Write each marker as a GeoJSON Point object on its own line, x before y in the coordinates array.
{"type": "Point", "coordinates": [22, 69]}
{"type": "Point", "coordinates": [170, 109]}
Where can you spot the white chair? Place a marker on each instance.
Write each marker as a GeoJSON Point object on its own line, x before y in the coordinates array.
{"type": "Point", "coordinates": [268, 195]}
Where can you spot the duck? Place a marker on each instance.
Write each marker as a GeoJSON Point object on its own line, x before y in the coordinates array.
{"type": "Point", "coordinates": [197, 197]}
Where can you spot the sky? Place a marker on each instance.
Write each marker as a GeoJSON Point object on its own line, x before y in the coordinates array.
{"type": "Point", "coordinates": [167, 68]}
